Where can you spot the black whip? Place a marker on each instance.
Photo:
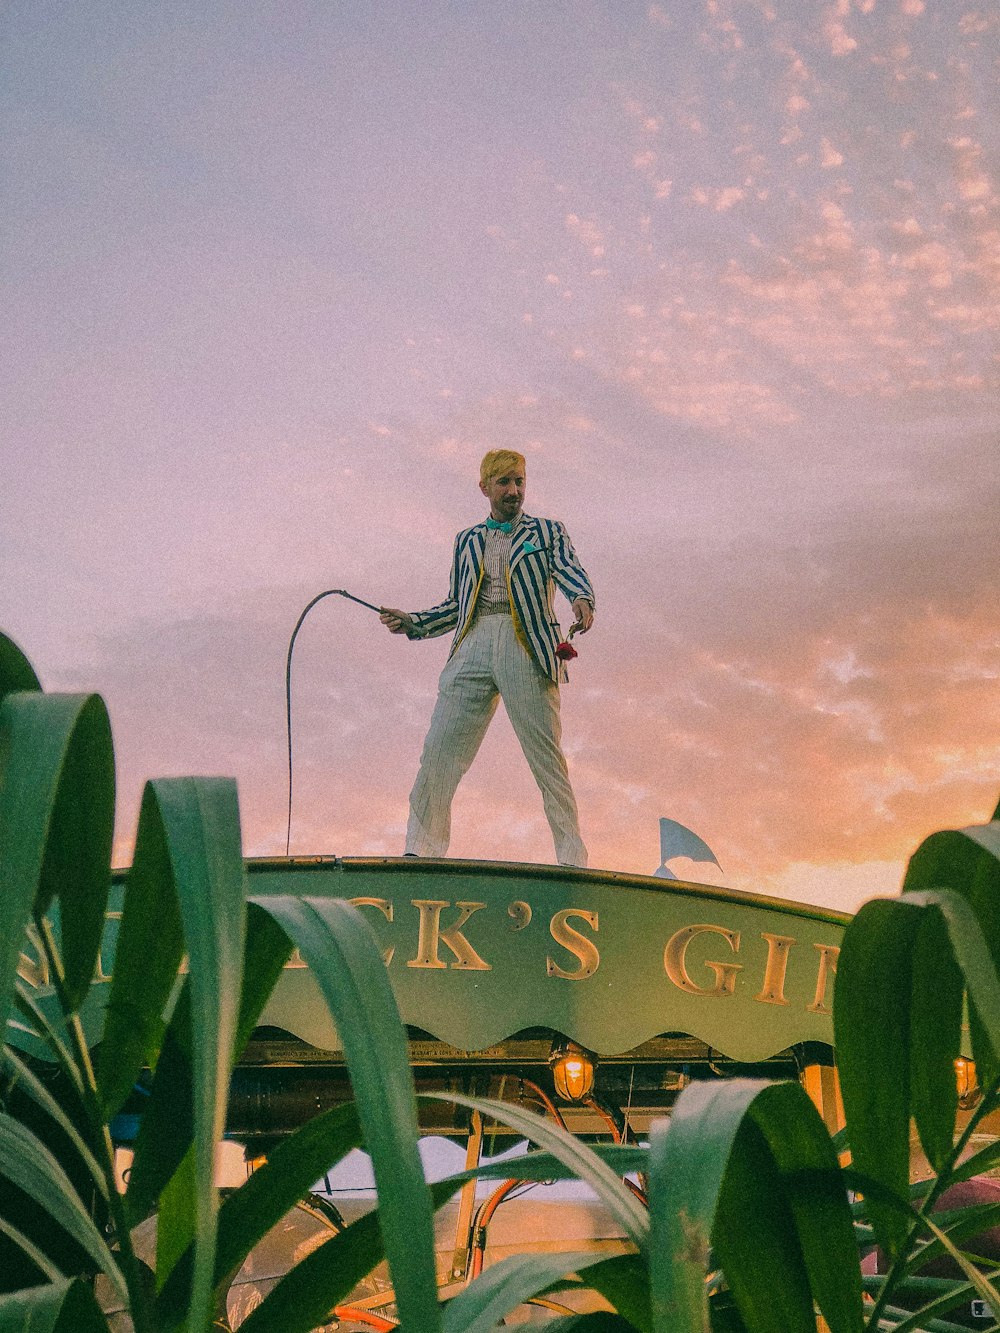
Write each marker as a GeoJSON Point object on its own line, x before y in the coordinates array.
{"type": "Point", "coordinates": [330, 592]}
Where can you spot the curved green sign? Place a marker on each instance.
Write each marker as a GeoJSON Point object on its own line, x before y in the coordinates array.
{"type": "Point", "coordinates": [478, 951]}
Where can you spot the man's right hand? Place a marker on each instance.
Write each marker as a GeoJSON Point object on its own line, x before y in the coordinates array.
{"type": "Point", "coordinates": [397, 622]}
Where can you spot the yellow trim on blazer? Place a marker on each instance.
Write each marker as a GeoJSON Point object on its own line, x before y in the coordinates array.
{"type": "Point", "coordinates": [522, 638]}
{"type": "Point", "coordinates": [472, 608]}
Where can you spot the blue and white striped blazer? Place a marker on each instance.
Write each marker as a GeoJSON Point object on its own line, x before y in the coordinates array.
{"type": "Point", "coordinates": [541, 558]}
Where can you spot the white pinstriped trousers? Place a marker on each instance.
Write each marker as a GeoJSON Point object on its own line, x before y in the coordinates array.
{"type": "Point", "coordinates": [489, 665]}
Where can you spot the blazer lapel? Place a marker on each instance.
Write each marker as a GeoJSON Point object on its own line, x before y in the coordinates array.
{"type": "Point", "coordinates": [526, 534]}
{"type": "Point", "coordinates": [474, 547]}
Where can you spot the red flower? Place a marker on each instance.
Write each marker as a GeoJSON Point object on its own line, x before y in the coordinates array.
{"type": "Point", "coordinates": [566, 652]}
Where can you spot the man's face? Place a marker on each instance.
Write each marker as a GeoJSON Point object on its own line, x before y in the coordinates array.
{"type": "Point", "coordinates": [505, 494]}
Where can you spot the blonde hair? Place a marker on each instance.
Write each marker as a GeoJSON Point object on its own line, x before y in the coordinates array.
{"type": "Point", "coordinates": [497, 462]}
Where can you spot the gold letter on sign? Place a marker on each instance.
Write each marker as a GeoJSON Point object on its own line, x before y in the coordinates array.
{"type": "Point", "coordinates": [385, 907]}
{"type": "Point", "coordinates": [828, 955]}
{"type": "Point", "coordinates": [773, 989]}
{"type": "Point", "coordinates": [675, 967]}
{"type": "Point", "coordinates": [431, 935]}
{"type": "Point", "coordinates": [584, 950]}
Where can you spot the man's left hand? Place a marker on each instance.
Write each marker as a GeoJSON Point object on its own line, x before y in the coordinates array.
{"type": "Point", "coordinates": [584, 613]}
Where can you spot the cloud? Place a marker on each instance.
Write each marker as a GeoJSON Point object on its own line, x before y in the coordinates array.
{"type": "Point", "coordinates": [721, 200]}
{"type": "Point", "coordinates": [840, 41]}
{"type": "Point", "coordinates": [830, 156]}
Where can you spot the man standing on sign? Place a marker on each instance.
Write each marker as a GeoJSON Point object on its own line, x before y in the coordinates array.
{"type": "Point", "coordinates": [503, 574]}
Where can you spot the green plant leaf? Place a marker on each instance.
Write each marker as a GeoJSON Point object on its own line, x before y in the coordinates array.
{"type": "Point", "coordinates": [583, 1162]}
{"type": "Point", "coordinates": [201, 830]}
{"type": "Point", "coordinates": [813, 1186]}
{"type": "Point", "coordinates": [25, 1080]}
{"type": "Point", "coordinates": [147, 957]}
{"type": "Point", "coordinates": [874, 989]}
{"type": "Point", "coordinates": [57, 797]}
{"type": "Point", "coordinates": [600, 1321]}
{"type": "Point", "coordinates": [38, 1022]}
{"type": "Point", "coordinates": [968, 862]}
{"type": "Point", "coordinates": [165, 1132]}
{"type": "Point", "coordinates": [936, 1036]}
{"type": "Point", "coordinates": [972, 954]}
{"type": "Point", "coordinates": [504, 1286]}
{"type": "Point", "coordinates": [621, 1159]}
{"type": "Point", "coordinates": [623, 1281]}
{"type": "Point", "coordinates": [62, 1307]}
{"type": "Point", "coordinates": [344, 957]}
{"type": "Point", "coordinates": [984, 1288]}
{"type": "Point", "coordinates": [303, 1298]}
{"type": "Point", "coordinates": [737, 1150]}
{"type": "Point", "coordinates": [250, 1212]}
{"type": "Point", "coordinates": [16, 672]}
{"type": "Point", "coordinates": [290, 1172]}
{"type": "Point", "coordinates": [30, 1166]}
{"type": "Point", "coordinates": [688, 1160]}
{"type": "Point", "coordinates": [885, 947]}
{"type": "Point", "coordinates": [27, 1246]}
{"type": "Point", "coordinates": [327, 1276]}
{"type": "Point", "coordinates": [920, 1319]}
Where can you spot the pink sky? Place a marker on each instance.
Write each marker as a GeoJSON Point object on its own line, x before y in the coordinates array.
{"type": "Point", "coordinates": [727, 273]}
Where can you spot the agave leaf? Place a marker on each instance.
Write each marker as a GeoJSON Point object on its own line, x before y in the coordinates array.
{"type": "Point", "coordinates": [978, 1164]}
{"type": "Point", "coordinates": [621, 1159]}
{"type": "Point", "coordinates": [57, 796]}
{"type": "Point", "coordinates": [29, 1165]}
{"type": "Point", "coordinates": [959, 1224]}
{"type": "Point", "coordinates": [166, 1129]}
{"type": "Point", "coordinates": [201, 827]}
{"type": "Point", "coordinates": [874, 989]}
{"type": "Point", "coordinates": [894, 1317]}
{"type": "Point", "coordinates": [147, 956]}
{"type": "Point", "coordinates": [584, 1163]}
{"type": "Point", "coordinates": [165, 1132]}
{"type": "Point", "coordinates": [967, 861]}
{"type": "Point", "coordinates": [340, 949]}
{"type": "Point", "coordinates": [292, 1169]}
{"type": "Point", "coordinates": [816, 1195]}
{"type": "Point", "coordinates": [27, 1246]}
{"type": "Point", "coordinates": [37, 1022]}
{"type": "Point", "coordinates": [177, 1223]}
{"type": "Point", "coordinates": [972, 954]}
{"type": "Point", "coordinates": [985, 1289]}
{"type": "Point", "coordinates": [935, 1035]}
{"type": "Point", "coordinates": [697, 1169]}
{"type": "Point", "coordinates": [16, 672]}
{"type": "Point", "coordinates": [623, 1281]}
{"type": "Point", "coordinates": [941, 1305]}
{"type": "Point", "coordinates": [62, 1307]}
{"type": "Point", "coordinates": [760, 1150]}
{"type": "Point", "coordinates": [303, 1298]}
{"type": "Point", "coordinates": [250, 1212]}
{"type": "Point", "coordinates": [943, 961]}
{"type": "Point", "coordinates": [600, 1321]}
{"type": "Point", "coordinates": [305, 1295]}
{"type": "Point", "coordinates": [504, 1286]}
{"type": "Point", "coordinates": [27, 1082]}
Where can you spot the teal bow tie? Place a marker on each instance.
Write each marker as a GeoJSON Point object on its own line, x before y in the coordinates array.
{"type": "Point", "coordinates": [499, 527]}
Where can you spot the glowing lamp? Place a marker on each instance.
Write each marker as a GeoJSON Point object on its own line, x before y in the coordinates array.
{"type": "Point", "coordinates": [572, 1071]}
{"type": "Point", "coordinates": [967, 1083]}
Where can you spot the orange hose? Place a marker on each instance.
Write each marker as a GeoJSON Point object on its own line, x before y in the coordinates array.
{"type": "Point", "coordinates": [486, 1212]}
{"type": "Point", "coordinates": [494, 1201]}
{"type": "Point", "coordinates": [364, 1317]}
{"type": "Point", "coordinates": [617, 1136]}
